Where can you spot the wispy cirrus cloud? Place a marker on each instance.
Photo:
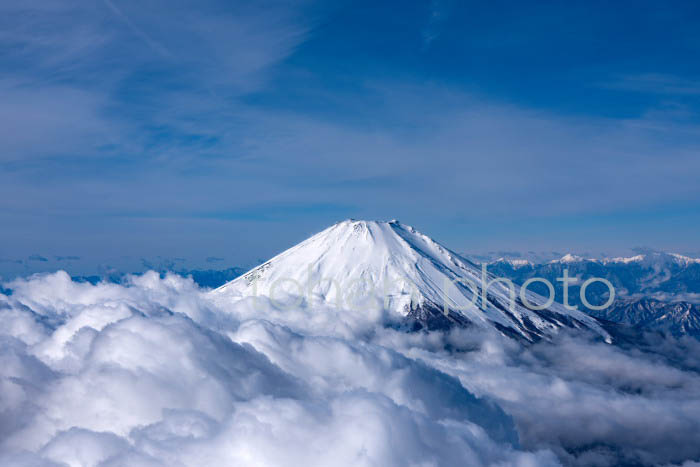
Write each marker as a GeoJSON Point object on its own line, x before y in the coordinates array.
{"type": "Point", "coordinates": [80, 70]}
{"type": "Point", "coordinates": [261, 113]}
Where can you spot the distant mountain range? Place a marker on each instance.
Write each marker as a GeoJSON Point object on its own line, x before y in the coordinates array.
{"type": "Point", "coordinates": [654, 290]}
{"type": "Point", "coordinates": [675, 318]}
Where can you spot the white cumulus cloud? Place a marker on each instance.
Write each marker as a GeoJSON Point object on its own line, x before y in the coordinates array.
{"type": "Point", "coordinates": [152, 372]}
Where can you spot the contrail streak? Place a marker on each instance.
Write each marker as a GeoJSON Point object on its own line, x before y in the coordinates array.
{"type": "Point", "coordinates": [136, 30]}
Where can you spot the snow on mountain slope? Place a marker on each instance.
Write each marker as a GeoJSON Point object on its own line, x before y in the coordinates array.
{"type": "Point", "coordinates": [514, 263]}
{"type": "Point", "coordinates": [392, 266]}
{"type": "Point", "coordinates": [568, 258]}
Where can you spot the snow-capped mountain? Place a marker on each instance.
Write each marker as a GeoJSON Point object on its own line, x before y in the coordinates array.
{"type": "Point", "coordinates": [391, 265]}
{"type": "Point", "coordinates": [654, 290]}
{"type": "Point", "coordinates": [513, 262]}
{"type": "Point", "coordinates": [569, 258]}
{"type": "Point", "coordinates": [648, 257]}
{"type": "Point", "coordinates": [653, 274]}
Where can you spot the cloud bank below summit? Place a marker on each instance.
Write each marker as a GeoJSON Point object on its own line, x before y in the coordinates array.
{"type": "Point", "coordinates": [153, 372]}
{"type": "Point", "coordinates": [150, 374]}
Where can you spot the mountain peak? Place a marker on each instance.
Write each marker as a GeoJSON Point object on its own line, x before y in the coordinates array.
{"type": "Point", "coordinates": [569, 258]}
{"type": "Point", "coordinates": [389, 265]}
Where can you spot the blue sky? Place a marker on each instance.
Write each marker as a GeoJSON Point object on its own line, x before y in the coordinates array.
{"type": "Point", "coordinates": [194, 130]}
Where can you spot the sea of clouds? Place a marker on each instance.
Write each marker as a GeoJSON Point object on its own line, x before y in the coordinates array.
{"type": "Point", "coordinates": [159, 372]}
